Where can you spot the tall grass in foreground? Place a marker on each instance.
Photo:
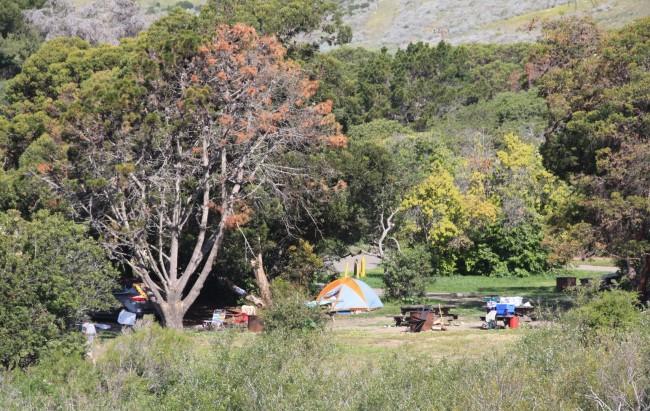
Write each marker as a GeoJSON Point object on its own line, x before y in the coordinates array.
{"type": "Point", "coordinates": [555, 368]}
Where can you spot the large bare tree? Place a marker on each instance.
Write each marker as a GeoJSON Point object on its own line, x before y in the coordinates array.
{"type": "Point", "coordinates": [162, 187]}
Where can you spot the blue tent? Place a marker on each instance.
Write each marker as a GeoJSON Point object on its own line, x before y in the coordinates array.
{"type": "Point", "coordinates": [349, 294]}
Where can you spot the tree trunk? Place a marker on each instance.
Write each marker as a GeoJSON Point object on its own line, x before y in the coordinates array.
{"type": "Point", "coordinates": [385, 229]}
{"type": "Point", "coordinates": [644, 278]}
{"type": "Point", "coordinates": [173, 313]}
{"type": "Point", "coordinates": [262, 280]}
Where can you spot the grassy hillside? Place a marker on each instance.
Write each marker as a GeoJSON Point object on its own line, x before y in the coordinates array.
{"type": "Point", "coordinates": [393, 23]}
{"type": "Point", "coordinates": [155, 4]}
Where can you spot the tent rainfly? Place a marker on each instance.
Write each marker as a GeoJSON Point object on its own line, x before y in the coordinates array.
{"type": "Point", "coordinates": [349, 294]}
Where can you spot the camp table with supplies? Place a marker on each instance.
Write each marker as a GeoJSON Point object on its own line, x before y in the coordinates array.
{"type": "Point", "coordinates": [507, 308]}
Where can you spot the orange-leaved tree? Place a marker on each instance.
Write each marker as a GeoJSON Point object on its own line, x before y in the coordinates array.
{"type": "Point", "coordinates": [203, 136]}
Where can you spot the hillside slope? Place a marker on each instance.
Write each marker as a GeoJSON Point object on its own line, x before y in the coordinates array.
{"type": "Point", "coordinates": [395, 23]}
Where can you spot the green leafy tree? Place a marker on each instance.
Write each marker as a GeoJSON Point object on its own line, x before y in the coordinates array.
{"type": "Point", "coordinates": [17, 38]}
{"type": "Point", "coordinates": [39, 98]}
{"type": "Point", "coordinates": [303, 264]}
{"type": "Point", "coordinates": [443, 211]}
{"type": "Point", "coordinates": [501, 250]}
{"type": "Point", "coordinates": [598, 93]}
{"type": "Point", "coordinates": [289, 311]}
{"type": "Point", "coordinates": [320, 19]}
{"type": "Point", "coordinates": [523, 113]}
{"type": "Point", "coordinates": [485, 212]}
{"type": "Point", "coordinates": [384, 161]}
{"type": "Point", "coordinates": [406, 272]}
{"type": "Point", "coordinates": [420, 84]}
{"type": "Point", "coordinates": [338, 73]}
{"type": "Point", "coordinates": [51, 274]}
{"type": "Point", "coordinates": [426, 80]}
{"type": "Point", "coordinates": [528, 196]}
{"type": "Point", "coordinates": [375, 82]}
{"type": "Point", "coordinates": [24, 188]}
{"type": "Point", "coordinates": [378, 177]}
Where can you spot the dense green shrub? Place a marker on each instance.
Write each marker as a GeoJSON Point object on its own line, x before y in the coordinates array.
{"type": "Point", "coordinates": [51, 274]}
{"type": "Point", "coordinates": [18, 39]}
{"type": "Point", "coordinates": [303, 264]}
{"type": "Point", "coordinates": [406, 272]}
{"type": "Point", "coordinates": [522, 113]}
{"type": "Point", "coordinates": [501, 251]}
{"type": "Point", "coordinates": [609, 311]}
{"type": "Point", "coordinates": [289, 310]}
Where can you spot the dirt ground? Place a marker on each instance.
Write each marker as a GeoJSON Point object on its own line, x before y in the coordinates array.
{"type": "Point", "coordinates": [363, 339]}
{"type": "Point", "coordinates": [386, 324]}
{"type": "Point", "coordinates": [368, 337]}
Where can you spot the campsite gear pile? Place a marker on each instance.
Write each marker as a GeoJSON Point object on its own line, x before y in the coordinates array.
{"type": "Point", "coordinates": [510, 310]}
{"type": "Point", "coordinates": [244, 317]}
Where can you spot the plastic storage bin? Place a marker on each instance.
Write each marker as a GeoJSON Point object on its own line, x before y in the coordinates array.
{"type": "Point", "coordinates": [505, 309]}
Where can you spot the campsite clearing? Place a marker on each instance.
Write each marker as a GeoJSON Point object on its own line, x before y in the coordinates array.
{"type": "Point", "coordinates": [467, 292]}
{"type": "Point", "coordinates": [373, 335]}
{"type": "Point", "coordinates": [365, 340]}
{"type": "Point", "coordinates": [372, 338]}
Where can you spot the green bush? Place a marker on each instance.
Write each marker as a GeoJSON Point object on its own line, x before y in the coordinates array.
{"type": "Point", "coordinates": [289, 310]}
{"type": "Point", "coordinates": [406, 272]}
{"type": "Point", "coordinates": [51, 274]}
{"type": "Point", "coordinates": [303, 264]}
{"type": "Point", "coordinates": [502, 251]}
{"type": "Point", "coordinates": [608, 311]}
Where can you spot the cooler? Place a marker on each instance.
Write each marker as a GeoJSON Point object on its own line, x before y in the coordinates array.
{"type": "Point", "coordinates": [505, 310]}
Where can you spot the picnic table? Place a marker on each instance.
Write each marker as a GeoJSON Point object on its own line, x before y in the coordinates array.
{"type": "Point", "coordinates": [441, 311]}
{"type": "Point", "coordinates": [436, 309]}
{"type": "Point", "coordinates": [524, 311]}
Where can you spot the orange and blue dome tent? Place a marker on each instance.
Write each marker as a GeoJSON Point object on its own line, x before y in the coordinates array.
{"type": "Point", "coordinates": [349, 294]}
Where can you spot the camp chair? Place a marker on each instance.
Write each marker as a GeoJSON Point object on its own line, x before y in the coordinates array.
{"type": "Point", "coordinates": [491, 320]}
{"type": "Point", "coordinates": [217, 320]}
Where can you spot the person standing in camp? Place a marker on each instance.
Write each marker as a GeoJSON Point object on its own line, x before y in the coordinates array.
{"type": "Point", "coordinates": [88, 329]}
